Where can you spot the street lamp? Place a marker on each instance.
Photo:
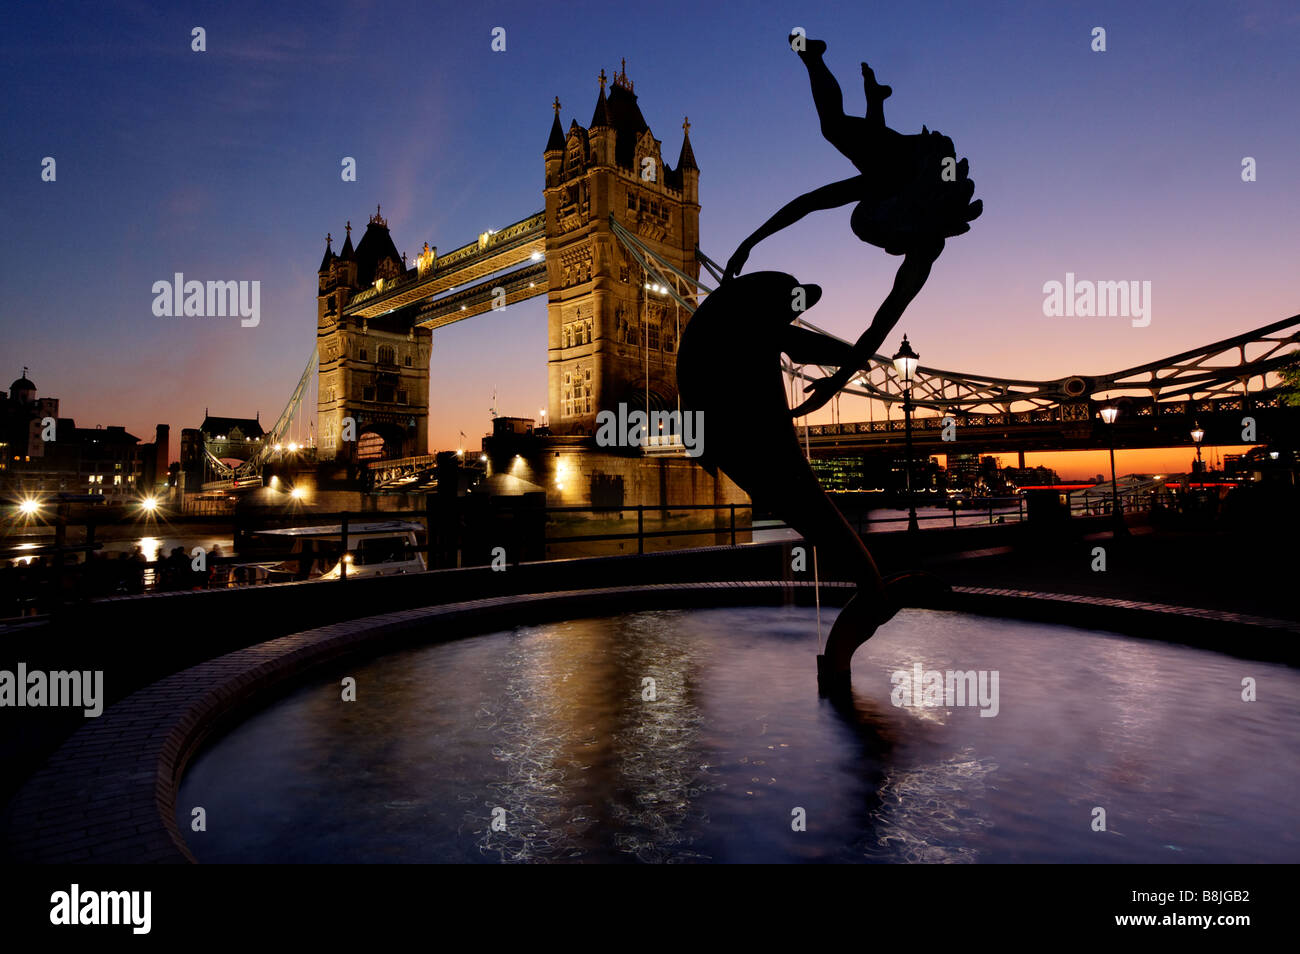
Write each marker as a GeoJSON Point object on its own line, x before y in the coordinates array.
{"type": "Point", "coordinates": [1198, 435]}
{"type": "Point", "coordinates": [905, 362]}
{"type": "Point", "coordinates": [1109, 413]}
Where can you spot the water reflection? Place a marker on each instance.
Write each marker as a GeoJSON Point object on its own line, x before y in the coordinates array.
{"type": "Point", "coordinates": [554, 725]}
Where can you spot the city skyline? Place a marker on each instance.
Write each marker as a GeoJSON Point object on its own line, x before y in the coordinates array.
{"type": "Point", "coordinates": [225, 165]}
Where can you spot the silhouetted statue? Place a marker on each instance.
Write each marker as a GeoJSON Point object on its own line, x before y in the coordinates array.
{"type": "Point", "coordinates": [911, 195]}
{"type": "Point", "coordinates": [743, 328]}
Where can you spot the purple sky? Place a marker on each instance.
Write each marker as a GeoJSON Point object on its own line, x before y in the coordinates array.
{"type": "Point", "coordinates": [1122, 165]}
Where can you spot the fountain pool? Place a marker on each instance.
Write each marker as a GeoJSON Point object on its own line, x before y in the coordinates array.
{"type": "Point", "coordinates": [555, 731]}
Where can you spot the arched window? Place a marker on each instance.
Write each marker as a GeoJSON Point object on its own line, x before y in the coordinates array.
{"type": "Point", "coordinates": [387, 355]}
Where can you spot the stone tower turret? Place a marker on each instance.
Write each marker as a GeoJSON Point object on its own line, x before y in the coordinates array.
{"type": "Point", "coordinates": [612, 329]}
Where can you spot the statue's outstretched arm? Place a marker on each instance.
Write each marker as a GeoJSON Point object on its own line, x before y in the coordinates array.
{"type": "Point", "coordinates": [908, 282]}
{"type": "Point", "coordinates": [827, 197]}
{"type": "Point", "coordinates": [805, 346]}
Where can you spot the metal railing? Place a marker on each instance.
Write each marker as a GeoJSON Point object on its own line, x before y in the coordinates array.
{"type": "Point", "coordinates": [54, 574]}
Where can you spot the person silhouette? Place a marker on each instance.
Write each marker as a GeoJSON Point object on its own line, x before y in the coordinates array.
{"type": "Point", "coordinates": [911, 195]}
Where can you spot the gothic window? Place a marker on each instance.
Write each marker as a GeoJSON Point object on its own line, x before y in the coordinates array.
{"type": "Point", "coordinates": [631, 201]}
{"type": "Point", "coordinates": [386, 395]}
{"type": "Point", "coordinates": [367, 394]}
{"type": "Point", "coordinates": [566, 404]}
{"type": "Point", "coordinates": [624, 274]}
{"type": "Point", "coordinates": [387, 355]}
{"type": "Point", "coordinates": [408, 360]}
{"type": "Point", "coordinates": [652, 331]}
{"type": "Point", "coordinates": [401, 397]}
{"type": "Point", "coordinates": [364, 356]}
{"type": "Point", "coordinates": [669, 342]}
{"type": "Point", "coordinates": [588, 389]}
{"type": "Point", "coordinates": [588, 325]}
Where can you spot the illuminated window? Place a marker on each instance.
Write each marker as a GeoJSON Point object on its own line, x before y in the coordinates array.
{"type": "Point", "coordinates": [370, 447]}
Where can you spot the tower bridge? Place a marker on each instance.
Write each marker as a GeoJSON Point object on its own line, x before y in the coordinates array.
{"type": "Point", "coordinates": [611, 336]}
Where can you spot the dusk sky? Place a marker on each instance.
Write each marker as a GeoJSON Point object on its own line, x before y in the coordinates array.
{"type": "Point", "coordinates": [225, 165]}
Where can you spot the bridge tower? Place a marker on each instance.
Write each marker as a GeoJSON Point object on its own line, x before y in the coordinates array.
{"type": "Point", "coordinates": [610, 338]}
{"type": "Point", "coordinates": [374, 370]}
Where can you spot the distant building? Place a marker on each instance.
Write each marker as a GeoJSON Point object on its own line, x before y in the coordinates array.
{"type": "Point", "coordinates": [1030, 476]}
{"type": "Point", "coordinates": [963, 471]}
{"type": "Point", "coordinates": [231, 440]}
{"type": "Point", "coordinates": [104, 461]}
{"type": "Point", "coordinates": [21, 417]}
{"type": "Point", "coordinates": [840, 473]}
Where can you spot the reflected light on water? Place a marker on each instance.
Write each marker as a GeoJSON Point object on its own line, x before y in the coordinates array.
{"type": "Point", "coordinates": [553, 725]}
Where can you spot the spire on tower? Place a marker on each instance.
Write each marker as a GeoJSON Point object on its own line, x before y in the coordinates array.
{"type": "Point", "coordinates": [347, 253]}
{"type": "Point", "coordinates": [555, 142]}
{"type": "Point", "coordinates": [620, 78]}
{"type": "Point", "coordinates": [687, 158]}
{"type": "Point", "coordinates": [329, 255]}
{"type": "Point", "coordinates": [601, 116]}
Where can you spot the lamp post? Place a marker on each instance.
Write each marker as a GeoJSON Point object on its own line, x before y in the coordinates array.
{"type": "Point", "coordinates": [1198, 435]}
{"type": "Point", "coordinates": [1109, 412]}
{"type": "Point", "coordinates": [905, 363]}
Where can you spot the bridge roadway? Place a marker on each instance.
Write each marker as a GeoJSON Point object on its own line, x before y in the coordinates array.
{"type": "Point", "coordinates": [1142, 424]}
{"type": "Point", "coordinates": [520, 247]}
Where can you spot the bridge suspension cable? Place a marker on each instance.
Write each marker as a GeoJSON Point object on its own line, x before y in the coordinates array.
{"type": "Point", "coordinates": [271, 439]}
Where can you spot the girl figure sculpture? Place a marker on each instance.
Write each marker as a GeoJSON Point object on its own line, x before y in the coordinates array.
{"type": "Point", "coordinates": [911, 193]}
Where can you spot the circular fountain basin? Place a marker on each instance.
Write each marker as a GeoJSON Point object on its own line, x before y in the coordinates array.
{"type": "Point", "coordinates": [698, 736]}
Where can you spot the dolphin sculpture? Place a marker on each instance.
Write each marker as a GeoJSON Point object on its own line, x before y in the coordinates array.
{"type": "Point", "coordinates": [729, 368]}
